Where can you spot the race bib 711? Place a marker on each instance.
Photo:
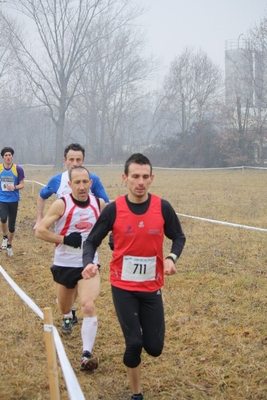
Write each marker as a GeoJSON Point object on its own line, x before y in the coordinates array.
{"type": "Point", "coordinates": [138, 269]}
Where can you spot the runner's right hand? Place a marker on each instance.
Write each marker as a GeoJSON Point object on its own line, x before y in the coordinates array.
{"type": "Point", "coordinates": [74, 239]}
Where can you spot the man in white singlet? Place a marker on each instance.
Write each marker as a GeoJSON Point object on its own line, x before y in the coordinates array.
{"type": "Point", "coordinates": [73, 217]}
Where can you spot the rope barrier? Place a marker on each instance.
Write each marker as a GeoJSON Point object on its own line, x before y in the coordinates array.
{"type": "Point", "coordinates": [41, 184]}
{"type": "Point", "coordinates": [204, 219]}
{"type": "Point", "coordinates": [21, 294]}
{"type": "Point", "coordinates": [168, 168]}
{"type": "Point", "coordinates": [73, 387]}
{"type": "Point", "coordinates": [224, 223]}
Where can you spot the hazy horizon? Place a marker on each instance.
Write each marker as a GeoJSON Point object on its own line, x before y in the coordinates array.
{"type": "Point", "coordinates": [173, 25]}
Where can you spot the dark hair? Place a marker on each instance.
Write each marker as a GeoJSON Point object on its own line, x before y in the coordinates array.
{"type": "Point", "coordinates": [78, 167]}
{"type": "Point", "coordinates": [7, 150]}
{"type": "Point", "coordinates": [137, 158]}
{"type": "Point", "coordinates": [74, 147]}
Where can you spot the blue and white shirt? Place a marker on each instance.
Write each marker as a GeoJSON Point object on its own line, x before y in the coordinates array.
{"type": "Point", "coordinates": [11, 176]}
{"type": "Point", "coordinates": [59, 186]}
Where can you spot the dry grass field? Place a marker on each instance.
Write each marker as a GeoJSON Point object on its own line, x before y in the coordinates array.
{"type": "Point", "coordinates": [215, 306]}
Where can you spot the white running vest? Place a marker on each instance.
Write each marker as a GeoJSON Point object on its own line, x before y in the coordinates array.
{"type": "Point", "coordinates": [75, 219]}
{"type": "Point", "coordinates": [64, 185]}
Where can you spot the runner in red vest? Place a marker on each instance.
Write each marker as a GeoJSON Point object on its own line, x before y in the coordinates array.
{"type": "Point", "coordinates": [139, 221]}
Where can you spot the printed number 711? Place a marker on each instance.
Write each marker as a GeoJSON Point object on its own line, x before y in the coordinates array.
{"type": "Point", "coordinates": [140, 268]}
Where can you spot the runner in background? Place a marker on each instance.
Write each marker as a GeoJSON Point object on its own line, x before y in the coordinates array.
{"type": "Point", "coordinates": [12, 181]}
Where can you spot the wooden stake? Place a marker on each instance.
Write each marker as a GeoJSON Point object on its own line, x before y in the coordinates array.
{"type": "Point", "coordinates": [51, 354]}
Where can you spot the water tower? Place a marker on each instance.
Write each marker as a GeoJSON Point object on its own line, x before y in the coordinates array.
{"type": "Point", "coordinates": [239, 73]}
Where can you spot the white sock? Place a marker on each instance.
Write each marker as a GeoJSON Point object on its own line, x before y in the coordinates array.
{"type": "Point", "coordinates": [89, 329]}
{"type": "Point", "coordinates": [73, 307]}
{"type": "Point", "coordinates": [68, 316]}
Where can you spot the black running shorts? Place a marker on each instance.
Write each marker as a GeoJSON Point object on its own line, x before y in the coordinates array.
{"type": "Point", "coordinates": [66, 276]}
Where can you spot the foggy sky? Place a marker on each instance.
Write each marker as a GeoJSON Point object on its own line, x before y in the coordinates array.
{"type": "Point", "coordinates": [174, 24]}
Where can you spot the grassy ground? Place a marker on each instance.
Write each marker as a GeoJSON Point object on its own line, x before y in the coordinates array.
{"type": "Point", "coordinates": [215, 305]}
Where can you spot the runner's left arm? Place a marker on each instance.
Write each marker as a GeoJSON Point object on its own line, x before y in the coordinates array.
{"type": "Point", "coordinates": [173, 229]}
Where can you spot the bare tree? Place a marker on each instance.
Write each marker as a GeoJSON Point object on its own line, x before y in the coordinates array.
{"type": "Point", "coordinates": [246, 91]}
{"type": "Point", "coordinates": [6, 53]}
{"type": "Point", "coordinates": [25, 124]}
{"type": "Point", "coordinates": [191, 90]}
{"type": "Point", "coordinates": [112, 90]}
{"type": "Point", "coordinates": [65, 37]}
{"type": "Point", "coordinates": [257, 111]}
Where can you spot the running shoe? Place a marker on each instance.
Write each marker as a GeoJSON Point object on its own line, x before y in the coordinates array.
{"type": "Point", "coordinates": [9, 251]}
{"type": "Point", "coordinates": [88, 363]}
{"type": "Point", "coordinates": [67, 325]}
{"type": "Point", "coordinates": [4, 243]}
{"type": "Point", "coordinates": [74, 320]}
{"type": "Point", "coordinates": [137, 396]}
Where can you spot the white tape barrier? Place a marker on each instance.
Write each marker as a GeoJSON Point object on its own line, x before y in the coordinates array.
{"type": "Point", "coordinates": [224, 223]}
{"type": "Point", "coordinates": [23, 295]}
{"type": "Point", "coordinates": [209, 220]}
{"type": "Point", "coordinates": [175, 169]}
{"type": "Point", "coordinates": [41, 184]}
{"type": "Point", "coordinates": [73, 387]}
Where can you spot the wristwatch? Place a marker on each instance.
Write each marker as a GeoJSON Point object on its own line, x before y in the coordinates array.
{"type": "Point", "coordinates": [172, 257]}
